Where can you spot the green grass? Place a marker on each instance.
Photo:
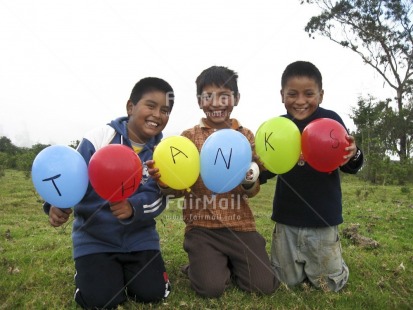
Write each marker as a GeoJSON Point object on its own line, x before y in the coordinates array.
{"type": "Point", "coordinates": [36, 267]}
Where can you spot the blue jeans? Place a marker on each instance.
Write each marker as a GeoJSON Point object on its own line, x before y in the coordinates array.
{"type": "Point", "coordinates": [300, 253]}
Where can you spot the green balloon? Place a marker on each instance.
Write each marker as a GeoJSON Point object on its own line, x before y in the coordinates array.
{"type": "Point", "coordinates": [278, 144]}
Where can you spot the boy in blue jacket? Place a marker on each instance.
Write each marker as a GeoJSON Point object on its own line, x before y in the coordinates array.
{"type": "Point", "coordinates": [307, 206]}
{"type": "Point", "coordinates": [116, 246]}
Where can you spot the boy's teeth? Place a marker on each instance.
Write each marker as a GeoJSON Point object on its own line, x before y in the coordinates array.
{"type": "Point", "coordinates": [153, 124]}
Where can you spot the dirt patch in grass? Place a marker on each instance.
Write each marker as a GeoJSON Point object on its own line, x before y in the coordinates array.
{"type": "Point", "coordinates": [352, 233]}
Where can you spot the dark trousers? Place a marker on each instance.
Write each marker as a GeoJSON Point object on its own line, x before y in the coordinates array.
{"type": "Point", "coordinates": [105, 280]}
{"type": "Point", "coordinates": [217, 254]}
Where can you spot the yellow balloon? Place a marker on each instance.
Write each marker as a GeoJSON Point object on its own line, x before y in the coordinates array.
{"type": "Point", "coordinates": [278, 144]}
{"type": "Point", "coordinates": [177, 159]}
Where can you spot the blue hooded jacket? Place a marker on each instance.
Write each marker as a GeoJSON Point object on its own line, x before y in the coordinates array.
{"type": "Point", "coordinates": [95, 228]}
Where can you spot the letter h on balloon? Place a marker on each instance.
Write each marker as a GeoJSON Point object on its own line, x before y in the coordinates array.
{"type": "Point", "coordinates": [132, 187]}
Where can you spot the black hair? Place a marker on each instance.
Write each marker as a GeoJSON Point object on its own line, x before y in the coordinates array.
{"type": "Point", "coordinates": [302, 68]}
{"type": "Point", "coordinates": [218, 76]}
{"type": "Point", "coordinates": [149, 84]}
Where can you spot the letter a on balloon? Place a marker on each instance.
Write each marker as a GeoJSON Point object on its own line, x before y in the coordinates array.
{"type": "Point", "coordinates": [177, 159]}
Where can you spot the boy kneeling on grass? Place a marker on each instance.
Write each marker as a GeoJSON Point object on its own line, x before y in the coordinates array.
{"type": "Point", "coordinates": [116, 246]}
{"type": "Point", "coordinates": [222, 242]}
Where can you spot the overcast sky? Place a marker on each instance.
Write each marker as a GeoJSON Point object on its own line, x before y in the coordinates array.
{"type": "Point", "coordinates": [69, 66]}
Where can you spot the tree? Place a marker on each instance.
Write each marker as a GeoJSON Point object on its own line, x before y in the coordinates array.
{"type": "Point", "coordinates": [74, 144]}
{"type": "Point", "coordinates": [373, 118]}
{"type": "Point", "coordinates": [38, 147]}
{"type": "Point", "coordinates": [381, 33]}
{"type": "Point", "coordinates": [7, 146]}
{"type": "Point", "coordinates": [367, 117]}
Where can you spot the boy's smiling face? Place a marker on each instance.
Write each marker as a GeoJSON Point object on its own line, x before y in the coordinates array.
{"type": "Point", "coordinates": [148, 117]}
{"type": "Point", "coordinates": [301, 96]}
{"type": "Point", "coordinates": [217, 104]}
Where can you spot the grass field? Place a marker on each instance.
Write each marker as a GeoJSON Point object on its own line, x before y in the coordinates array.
{"type": "Point", "coordinates": [36, 267]}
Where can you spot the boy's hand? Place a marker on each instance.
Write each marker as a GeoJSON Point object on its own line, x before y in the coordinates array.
{"type": "Point", "coordinates": [58, 217]}
{"type": "Point", "coordinates": [252, 174]}
{"type": "Point", "coordinates": [351, 149]}
{"type": "Point", "coordinates": [256, 158]}
{"type": "Point", "coordinates": [122, 210]}
{"type": "Point", "coordinates": [154, 173]}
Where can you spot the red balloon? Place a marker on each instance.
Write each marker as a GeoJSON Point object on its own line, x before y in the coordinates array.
{"type": "Point", "coordinates": [323, 144]}
{"type": "Point", "coordinates": [115, 172]}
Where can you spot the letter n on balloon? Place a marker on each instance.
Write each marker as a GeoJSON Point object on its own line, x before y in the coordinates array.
{"type": "Point", "coordinates": [227, 164]}
{"type": "Point", "coordinates": [225, 159]}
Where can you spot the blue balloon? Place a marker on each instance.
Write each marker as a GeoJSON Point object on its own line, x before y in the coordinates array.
{"type": "Point", "coordinates": [60, 176]}
{"type": "Point", "coordinates": [225, 159]}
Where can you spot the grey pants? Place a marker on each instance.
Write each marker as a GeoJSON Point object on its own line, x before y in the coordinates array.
{"type": "Point", "coordinates": [216, 255]}
{"type": "Point", "coordinates": [303, 253]}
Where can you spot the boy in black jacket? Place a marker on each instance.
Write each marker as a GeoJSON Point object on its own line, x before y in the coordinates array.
{"type": "Point", "coordinates": [307, 205]}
